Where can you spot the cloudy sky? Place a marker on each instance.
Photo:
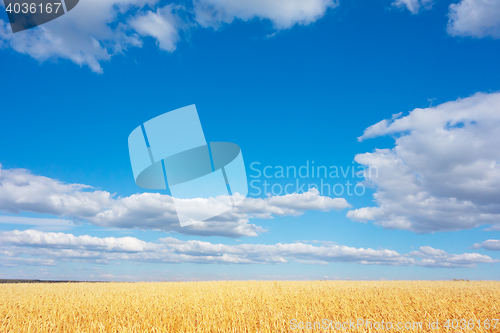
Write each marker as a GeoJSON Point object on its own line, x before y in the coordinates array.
{"type": "Point", "coordinates": [370, 133]}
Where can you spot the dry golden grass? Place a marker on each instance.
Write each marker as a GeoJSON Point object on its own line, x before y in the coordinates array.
{"type": "Point", "coordinates": [241, 306]}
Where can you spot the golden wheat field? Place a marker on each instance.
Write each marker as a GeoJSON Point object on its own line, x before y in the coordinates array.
{"type": "Point", "coordinates": [250, 306]}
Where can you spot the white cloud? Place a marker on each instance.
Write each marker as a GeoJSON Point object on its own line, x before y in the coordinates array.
{"type": "Point", "coordinates": [40, 239]}
{"type": "Point", "coordinates": [54, 247]}
{"type": "Point", "coordinates": [12, 262]}
{"type": "Point", "coordinates": [474, 18]}
{"type": "Point", "coordinates": [444, 172]}
{"type": "Point", "coordinates": [414, 6]}
{"type": "Point", "coordinates": [431, 257]}
{"type": "Point", "coordinates": [291, 204]}
{"type": "Point", "coordinates": [46, 224]}
{"type": "Point", "coordinates": [87, 35]}
{"type": "Point", "coordinates": [278, 253]}
{"type": "Point", "coordinates": [282, 13]}
{"type": "Point", "coordinates": [490, 244]}
{"type": "Point", "coordinates": [495, 227]}
{"type": "Point", "coordinates": [23, 191]}
{"type": "Point", "coordinates": [96, 30]}
{"type": "Point", "coordinates": [162, 25]}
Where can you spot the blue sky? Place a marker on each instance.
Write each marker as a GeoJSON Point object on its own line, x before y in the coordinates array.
{"type": "Point", "coordinates": [311, 81]}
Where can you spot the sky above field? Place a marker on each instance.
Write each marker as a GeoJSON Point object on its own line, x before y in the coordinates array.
{"type": "Point", "coordinates": [389, 113]}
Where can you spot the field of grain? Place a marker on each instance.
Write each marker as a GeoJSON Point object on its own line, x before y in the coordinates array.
{"type": "Point", "coordinates": [247, 306]}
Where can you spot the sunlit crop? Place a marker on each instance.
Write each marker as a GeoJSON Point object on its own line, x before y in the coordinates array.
{"type": "Point", "coordinates": [247, 306]}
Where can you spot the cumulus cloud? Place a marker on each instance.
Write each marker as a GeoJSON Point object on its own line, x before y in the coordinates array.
{"type": "Point", "coordinates": [96, 30]}
{"type": "Point", "coordinates": [13, 262]}
{"type": "Point", "coordinates": [495, 227]}
{"type": "Point", "coordinates": [414, 6]}
{"type": "Point", "coordinates": [21, 191]}
{"type": "Point", "coordinates": [282, 13]}
{"type": "Point", "coordinates": [490, 245]}
{"type": "Point", "coordinates": [162, 25]}
{"type": "Point", "coordinates": [40, 239]}
{"type": "Point", "coordinates": [49, 248]}
{"type": "Point", "coordinates": [431, 257]}
{"type": "Point", "coordinates": [444, 172]}
{"type": "Point", "coordinates": [88, 35]}
{"type": "Point", "coordinates": [46, 224]}
{"type": "Point", "coordinates": [278, 253]}
{"type": "Point", "coordinates": [474, 18]}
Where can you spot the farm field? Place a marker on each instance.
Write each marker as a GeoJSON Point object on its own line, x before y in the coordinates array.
{"type": "Point", "coordinates": [249, 306]}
